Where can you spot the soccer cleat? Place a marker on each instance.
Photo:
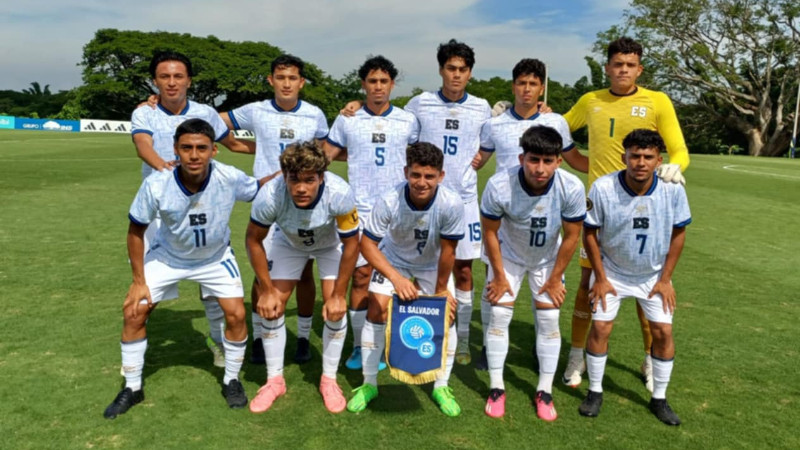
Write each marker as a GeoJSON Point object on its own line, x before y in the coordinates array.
{"type": "Point", "coordinates": [123, 402]}
{"type": "Point", "coordinates": [382, 363]}
{"type": "Point", "coordinates": [443, 396]}
{"type": "Point", "coordinates": [590, 407]}
{"type": "Point", "coordinates": [257, 352]}
{"type": "Point", "coordinates": [275, 387]}
{"type": "Point", "coordinates": [483, 363]}
{"type": "Point", "coordinates": [362, 396]}
{"type": "Point", "coordinates": [354, 361]}
{"type": "Point", "coordinates": [303, 353]}
{"type": "Point", "coordinates": [496, 403]}
{"type": "Point", "coordinates": [332, 394]}
{"type": "Point", "coordinates": [462, 353]}
{"type": "Point", "coordinates": [544, 406]}
{"type": "Point", "coordinates": [217, 351]}
{"type": "Point", "coordinates": [647, 373]}
{"type": "Point", "coordinates": [661, 409]}
{"type": "Point", "coordinates": [576, 366]}
{"type": "Point", "coordinates": [234, 394]}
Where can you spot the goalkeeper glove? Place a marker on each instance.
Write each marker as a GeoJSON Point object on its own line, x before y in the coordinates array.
{"type": "Point", "coordinates": [671, 173]}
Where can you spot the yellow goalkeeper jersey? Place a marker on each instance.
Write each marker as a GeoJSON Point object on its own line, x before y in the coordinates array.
{"type": "Point", "coordinates": [611, 117]}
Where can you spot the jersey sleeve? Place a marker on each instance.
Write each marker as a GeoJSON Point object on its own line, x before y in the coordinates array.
{"type": "Point", "coordinates": [413, 106]}
{"type": "Point", "coordinates": [145, 206]}
{"type": "Point", "coordinates": [453, 224]}
{"type": "Point", "coordinates": [576, 116]}
{"type": "Point", "coordinates": [680, 205]}
{"type": "Point", "coordinates": [264, 210]}
{"type": "Point", "coordinates": [487, 143]}
{"type": "Point", "coordinates": [414, 135]}
{"type": "Point", "coordinates": [670, 130]}
{"type": "Point", "coordinates": [338, 134]}
{"type": "Point", "coordinates": [322, 126]}
{"type": "Point", "coordinates": [242, 117]}
{"type": "Point", "coordinates": [491, 207]}
{"type": "Point", "coordinates": [574, 206]}
{"type": "Point", "coordinates": [220, 128]}
{"type": "Point", "coordinates": [246, 186]}
{"type": "Point", "coordinates": [594, 209]}
{"type": "Point", "coordinates": [566, 137]}
{"type": "Point", "coordinates": [139, 122]}
{"type": "Point", "coordinates": [345, 212]}
{"type": "Point", "coordinates": [377, 223]}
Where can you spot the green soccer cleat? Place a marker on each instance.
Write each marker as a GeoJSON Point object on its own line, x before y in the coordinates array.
{"type": "Point", "coordinates": [443, 396]}
{"type": "Point", "coordinates": [362, 395]}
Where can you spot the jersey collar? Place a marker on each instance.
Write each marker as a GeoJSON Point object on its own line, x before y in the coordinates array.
{"type": "Point", "coordinates": [183, 188]}
{"type": "Point", "coordinates": [518, 117]}
{"type": "Point", "coordinates": [524, 185]}
{"type": "Point", "coordinates": [279, 109]}
{"type": "Point", "coordinates": [170, 113]}
{"type": "Point", "coordinates": [407, 195]}
{"type": "Point", "coordinates": [623, 95]}
{"type": "Point", "coordinates": [447, 100]}
{"type": "Point", "coordinates": [621, 178]}
{"type": "Point", "coordinates": [385, 113]}
{"type": "Point", "coordinates": [313, 204]}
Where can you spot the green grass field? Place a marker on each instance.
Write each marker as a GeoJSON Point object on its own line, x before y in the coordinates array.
{"type": "Point", "coordinates": [64, 272]}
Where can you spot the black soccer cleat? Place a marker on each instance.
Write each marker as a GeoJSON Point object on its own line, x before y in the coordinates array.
{"type": "Point", "coordinates": [123, 402]}
{"type": "Point", "coordinates": [660, 408]}
{"type": "Point", "coordinates": [234, 394]}
{"type": "Point", "coordinates": [590, 407]}
{"type": "Point", "coordinates": [482, 363]}
{"type": "Point", "coordinates": [303, 353]}
{"type": "Point", "coordinates": [257, 352]}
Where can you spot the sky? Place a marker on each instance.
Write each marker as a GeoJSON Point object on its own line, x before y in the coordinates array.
{"type": "Point", "coordinates": [42, 40]}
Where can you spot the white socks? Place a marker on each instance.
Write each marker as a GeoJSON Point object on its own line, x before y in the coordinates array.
{"type": "Point", "coordinates": [662, 371]}
{"type": "Point", "coordinates": [548, 346]}
{"type": "Point", "coordinates": [234, 356]}
{"type": "Point", "coordinates": [373, 341]}
{"type": "Point", "coordinates": [357, 319]}
{"type": "Point", "coordinates": [255, 321]}
{"type": "Point", "coordinates": [497, 343]}
{"type": "Point", "coordinates": [304, 326]}
{"type": "Point", "coordinates": [464, 314]}
{"type": "Point", "coordinates": [133, 362]}
{"type": "Point", "coordinates": [451, 356]}
{"type": "Point", "coordinates": [274, 341]}
{"type": "Point", "coordinates": [215, 317]}
{"type": "Point", "coordinates": [332, 342]}
{"type": "Point", "coordinates": [596, 367]}
{"type": "Point", "coordinates": [486, 316]}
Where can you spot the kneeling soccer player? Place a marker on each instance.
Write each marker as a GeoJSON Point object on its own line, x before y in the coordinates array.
{"type": "Point", "coordinates": [418, 225]}
{"type": "Point", "coordinates": [523, 211]}
{"type": "Point", "coordinates": [315, 210]}
{"type": "Point", "coordinates": [634, 234]}
{"type": "Point", "coordinates": [194, 202]}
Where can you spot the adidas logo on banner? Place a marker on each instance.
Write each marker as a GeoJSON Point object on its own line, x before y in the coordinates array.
{"type": "Point", "coordinates": [121, 128]}
{"type": "Point", "coordinates": [91, 126]}
{"type": "Point", "coordinates": [105, 127]}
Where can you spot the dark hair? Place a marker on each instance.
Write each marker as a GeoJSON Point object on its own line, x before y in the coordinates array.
{"type": "Point", "coordinates": [195, 126]}
{"type": "Point", "coordinates": [303, 157]}
{"type": "Point", "coordinates": [541, 140]}
{"type": "Point", "coordinates": [529, 66]}
{"type": "Point", "coordinates": [643, 138]}
{"type": "Point", "coordinates": [455, 49]}
{"type": "Point", "coordinates": [160, 57]}
{"type": "Point", "coordinates": [424, 154]}
{"type": "Point", "coordinates": [624, 45]}
{"type": "Point", "coordinates": [287, 60]}
{"type": "Point", "coordinates": [377, 63]}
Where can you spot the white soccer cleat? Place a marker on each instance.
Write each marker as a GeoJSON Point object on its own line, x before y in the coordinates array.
{"type": "Point", "coordinates": [217, 351]}
{"type": "Point", "coordinates": [576, 366]}
{"type": "Point", "coordinates": [647, 373]}
{"type": "Point", "coordinates": [671, 173]}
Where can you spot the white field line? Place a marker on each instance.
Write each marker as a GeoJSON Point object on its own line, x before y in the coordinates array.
{"type": "Point", "coordinates": [736, 168]}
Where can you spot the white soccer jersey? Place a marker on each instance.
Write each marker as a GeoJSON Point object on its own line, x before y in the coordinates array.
{"type": "Point", "coordinates": [634, 231]}
{"type": "Point", "coordinates": [376, 150]}
{"type": "Point", "coordinates": [160, 123]}
{"type": "Point", "coordinates": [275, 128]}
{"type": "Point", "coordinates": [501, 135]}
{"type": "Point", "coordinates": [410, 237]}
{"type": "Point", "coordinates": [194, 227]}
{"type": "Point", "coordinates": [531, 224]}
{"type": "Point", "coordinates": [454, 127]}
{"type": "Point", "coordinates": [314, 227]}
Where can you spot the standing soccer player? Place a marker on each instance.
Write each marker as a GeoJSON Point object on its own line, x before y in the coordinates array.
{"type": "Point", "coordinates": [194, 202]}
{"type": "Point", "coordinates": [315, 211]}
{"type": "Point", "coordinates": [373, 143]}
{"type": "Point", "coordinates": [153, 129]}
{"type": "Point", "coordinates": [634, 235]}
{"type": "Point", "coordinates": [452, 119]}
{"type": "Point", "coordinates": [278, 123]}
{"type": "Point", "coordinates": [610, 114]}
{"type": "Point", "coordinates": [412, 232]}
{"type": "Point", "coordinates": [524, 210]}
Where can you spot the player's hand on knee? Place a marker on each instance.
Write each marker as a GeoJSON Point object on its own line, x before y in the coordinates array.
{"type": "Point", "coordinates": [269, 304]}
{"type": "Point", "coordinates": [598, 292]}
{"type": "Point", "coordinates": [350, 108]}
{"type": "Point", "coordinates": [136, 293]}
{"type": "Point", "coordinates": [671, 173]}
{"type": "Point", "coordinates": [496, 288]}
{"type": "Point", "coordinates": [555, 289]}
{"type": "Point", "coordinates": [404, 288]}
{"type": "Point", "coordinates": [334, 309]}
{"type": "Point", "coordinates": [667, 293]}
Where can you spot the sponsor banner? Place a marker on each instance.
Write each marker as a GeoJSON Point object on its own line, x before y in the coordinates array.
{"type": "Point", "coordinates": [416, 338]}
{"type": "Point", "coordinates": [7, 122]}
{"type": "Point", "coordinates": [105, 126]}
{"type": "Point", "coordinates": [23, 123]}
